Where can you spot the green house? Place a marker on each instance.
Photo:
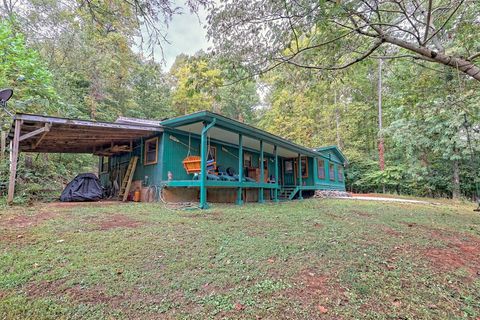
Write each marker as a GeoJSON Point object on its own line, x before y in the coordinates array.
{"type": "Point", "coordinates": [202, 157]}
{"type": "Point", "coordinates": [270, 167]}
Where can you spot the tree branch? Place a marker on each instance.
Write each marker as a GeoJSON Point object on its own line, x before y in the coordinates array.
{"type": "Point", "coordinates": [429, 16]}
{"type": "Point", "coordinates": [445, 22]}
{"type": "Point", "coordinates": [375, 46]}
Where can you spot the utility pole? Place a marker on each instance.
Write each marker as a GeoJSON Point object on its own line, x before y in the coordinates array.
{"type": "Point", "coordinates": [381, 147]}
{"type": "Point", "coordinates": [337, 119]}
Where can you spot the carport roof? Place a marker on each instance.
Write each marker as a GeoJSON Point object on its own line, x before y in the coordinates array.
{"type": "Point", "coordinates": [62, 135]}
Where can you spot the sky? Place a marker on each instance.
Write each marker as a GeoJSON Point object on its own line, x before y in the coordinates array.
{"type": "Point", "coordinates": [186, 34]}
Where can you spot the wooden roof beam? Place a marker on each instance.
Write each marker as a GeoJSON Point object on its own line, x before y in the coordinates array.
{"type": "Point", "coordinates": [45, 128]}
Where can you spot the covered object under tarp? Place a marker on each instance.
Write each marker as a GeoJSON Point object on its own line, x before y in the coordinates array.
{"type": "Point", "coordinates": [84, 187]}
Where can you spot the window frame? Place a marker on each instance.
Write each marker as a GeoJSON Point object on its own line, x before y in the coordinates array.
{"type": "Point", "coordinates": [147, 142]}
{"type": "Point", "coordinates": [340, 175]}
{"type": "Point", "coordinates": [250, 157]}
{"type": "Point", "coordinates": [104, 165]}
{"type": "Point", "coordinates": [321, 169]}
{"type": "Point", "coordinates": [291, 166]}
{"type": "Point", "coordinates": [214, 153]}
{"type": "Point", "coordinates": [331, 174]}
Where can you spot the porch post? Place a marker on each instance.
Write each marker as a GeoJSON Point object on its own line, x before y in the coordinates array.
{"type": "Point", "coordinates": [13, 161]}
{"type": "Point", "coordinates": [275, 192]}
{"type": "Point", "coordinates": [262, 174]}
{"type": "Point", "coordinates": [240, 168]}
{"type": "Point", "coordinates": [203, 165]}
{"type": "Point", "coordinates": [300, 178]}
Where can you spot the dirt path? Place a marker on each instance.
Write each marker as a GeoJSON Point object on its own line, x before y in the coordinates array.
{"type": "Point", "coordinates": [387, 199]}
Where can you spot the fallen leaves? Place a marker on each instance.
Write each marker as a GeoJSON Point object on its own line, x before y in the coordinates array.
{"type": "Point", "coordinates": [239, 306]}
{"type": "Point", "coordinates": [322, 309]}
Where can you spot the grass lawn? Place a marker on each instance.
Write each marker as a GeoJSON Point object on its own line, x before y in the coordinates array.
{"type": "Point", "coordinates": [325, 259]}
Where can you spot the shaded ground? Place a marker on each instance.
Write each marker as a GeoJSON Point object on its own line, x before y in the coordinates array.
{"type": "Point", "coordinates": [314, 259]}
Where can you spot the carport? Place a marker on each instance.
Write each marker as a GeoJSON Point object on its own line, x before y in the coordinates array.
{"type": "Point", "coordinates": [45, 134]}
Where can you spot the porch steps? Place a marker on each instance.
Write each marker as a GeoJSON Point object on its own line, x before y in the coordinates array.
{"type": "Point", "coordinates": [127, 179]}
{"type": "Point", "coordinates": [287, 193]}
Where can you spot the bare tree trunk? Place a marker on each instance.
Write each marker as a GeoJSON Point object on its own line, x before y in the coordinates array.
{"type": "Point", "coordinates": [456, 178]}
{"type": "Point", "coordinates": [381, 147]}
{"type": "Point", "coordinates": [3, 141]}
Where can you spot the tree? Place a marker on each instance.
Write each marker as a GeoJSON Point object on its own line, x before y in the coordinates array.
{"type": "Point", "coordinates": [24, 71]}
{"type": "Point", "coordinates": [196, 85]}
{"type": "Point", "coordinates": [265, 34]}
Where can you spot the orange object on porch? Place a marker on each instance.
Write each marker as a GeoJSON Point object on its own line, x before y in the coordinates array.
{"type": "Point", "coordinates": [192, 164]}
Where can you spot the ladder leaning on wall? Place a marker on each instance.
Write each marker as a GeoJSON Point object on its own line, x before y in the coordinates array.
{"type": "Point", "coordinates": [127, 179]}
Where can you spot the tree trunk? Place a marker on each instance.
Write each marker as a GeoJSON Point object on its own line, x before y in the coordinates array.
{"type": "Point", "coordinates": [456, 178]}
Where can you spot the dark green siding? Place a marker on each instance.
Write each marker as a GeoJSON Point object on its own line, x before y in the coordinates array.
{"type": "Point", "coordinates": [153, 171]}
{"type": "Point", "coordinates": [171, 155]}
{"type": "Point", "coordinates": [326, 183]}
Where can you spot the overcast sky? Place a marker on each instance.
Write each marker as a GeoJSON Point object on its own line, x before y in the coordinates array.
{"type": "Point", "coordinates": [186, 34]}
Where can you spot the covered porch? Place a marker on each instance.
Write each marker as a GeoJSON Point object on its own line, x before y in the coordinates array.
{"type": "Point", "coordinates": [262, 161]}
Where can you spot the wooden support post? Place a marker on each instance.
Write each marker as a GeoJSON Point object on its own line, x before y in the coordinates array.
{"type": "Point", "coordinates": [203, 164]}
{"type": "Point", "coordinates": [3, 146]}
{"type": "Point", "coordinates": [300, 178]}
{"type": "Point", "coordinates": [262, 174]}
{"type": "Point", "coordinates": [240, 169]}
{"type": "Point", "coordinates": [203, 169]}
{"type": "Point", "coordinates": [275, 194]}
{"type": "Point", "coordinates": [14, 160]}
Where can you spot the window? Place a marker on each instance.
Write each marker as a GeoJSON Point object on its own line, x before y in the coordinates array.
{"type": "Point", "coordinates": [304, 162]}
{"type": "Point", "coordinates": [212, 153]}
{"type": "Point", "coordinates": [331, 171]}
{"type": "Point", "coordinates": [288, 166]}
{"type": "Point", "coordinates": [150, 152]}
{"type": "Point", "coordinates": [247, 160]}
{"type": "Point", "coordinates": [104, 164]}
{"type": "Point", "coordinates": [340, 173]}
{"type": "Point", "coordinates": [321, 169]}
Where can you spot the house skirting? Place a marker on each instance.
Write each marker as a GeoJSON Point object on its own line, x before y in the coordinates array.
{"type": "Point", "coordinates": [214, 194]}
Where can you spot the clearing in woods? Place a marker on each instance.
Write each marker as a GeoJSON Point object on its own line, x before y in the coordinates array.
{"type": "Point", "coordinates": [327, 259]}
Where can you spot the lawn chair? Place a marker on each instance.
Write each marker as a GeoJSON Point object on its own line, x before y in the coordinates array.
{"type": "Point", "coordinates": [231, 172]}
{"type": "Point", "coordinates": [223, 175]}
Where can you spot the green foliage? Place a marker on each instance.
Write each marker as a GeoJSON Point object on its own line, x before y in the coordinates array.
{"type": "Point", "coordinates": [23, 70]}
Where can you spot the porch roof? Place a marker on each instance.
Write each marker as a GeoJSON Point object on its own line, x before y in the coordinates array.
{"type": "Point", "coordinates": [227, 129]}
{"type": "Point", "coordinates": [62, 135]}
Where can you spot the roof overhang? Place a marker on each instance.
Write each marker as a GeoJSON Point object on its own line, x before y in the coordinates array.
{"type": "Point", "coordinates": [61, 135]}
{"type": "Point", "coordinates": [227, 130]}
{"type": "Point", "coordinates": [335, 150]}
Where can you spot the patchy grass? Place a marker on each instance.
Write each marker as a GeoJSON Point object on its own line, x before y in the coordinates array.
{"type": "Point", "coordinates": [327, 259]}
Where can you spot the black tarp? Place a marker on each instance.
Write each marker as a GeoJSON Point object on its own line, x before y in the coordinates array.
{"type": "Point", "coordinates": [84, 187]}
